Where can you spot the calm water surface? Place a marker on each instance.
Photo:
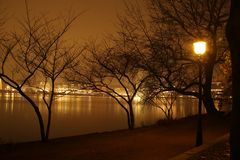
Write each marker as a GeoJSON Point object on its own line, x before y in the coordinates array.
{"type": "Point", "coordinates": [75, 115]}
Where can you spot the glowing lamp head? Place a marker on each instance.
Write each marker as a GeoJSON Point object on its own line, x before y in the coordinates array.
{"type": "Point", "coordinates": [200, 47]}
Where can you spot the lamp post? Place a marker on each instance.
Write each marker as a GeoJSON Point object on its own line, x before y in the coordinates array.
{"type": "Point", "coordinates": [199, 49]}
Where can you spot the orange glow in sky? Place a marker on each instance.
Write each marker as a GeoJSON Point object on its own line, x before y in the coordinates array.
{"type": "Point", "coordinates": [99, 18]}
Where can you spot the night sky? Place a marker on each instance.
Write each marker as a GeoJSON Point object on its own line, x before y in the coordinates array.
{"type": "Point", "coordinates": [99, 18]}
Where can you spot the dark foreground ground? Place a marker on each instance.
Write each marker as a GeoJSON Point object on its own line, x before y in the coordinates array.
{"type": "Point", "coordinates": [158, 142]}
{"type": "Point", "coordinates": [218, 151]}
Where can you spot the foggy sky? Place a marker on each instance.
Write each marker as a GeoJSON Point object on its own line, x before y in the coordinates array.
{"type": "Point", "coordinates": [99, 18]}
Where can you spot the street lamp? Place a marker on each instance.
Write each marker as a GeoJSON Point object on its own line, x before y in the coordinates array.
{"type": "Point", "coordinates": [199, 48]}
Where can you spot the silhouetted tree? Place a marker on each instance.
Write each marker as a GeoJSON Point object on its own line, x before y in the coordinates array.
{"type": "Point", "coordinates": [161, 54]}
{"type": "Point", "coordinates": [164, 101]}
{"type": "Point", "coordinates": [113, 71]}
{"type": "Point", "coordinates": [191, 20]}
{"type": "Point", "coordinates": [59, 60]}
{"type": "Point", "coordinates": [233, 36]}
{"type": "Point", "coordinates": [29, 50]}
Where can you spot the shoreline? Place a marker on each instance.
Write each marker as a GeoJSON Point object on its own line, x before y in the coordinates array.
{"type": "Point", "coordinates": [159, 123]}
{"type": "Point", "coordinates": [154, 142]}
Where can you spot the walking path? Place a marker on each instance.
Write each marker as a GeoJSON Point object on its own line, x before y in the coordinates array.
{"type": "Point", "coordinates": [160, 142]}
{"type": "Point", "coordinates": [217, 150]}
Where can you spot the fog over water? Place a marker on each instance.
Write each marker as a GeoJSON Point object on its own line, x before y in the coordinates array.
{"type": "Point", "coordinates": [76, 115]}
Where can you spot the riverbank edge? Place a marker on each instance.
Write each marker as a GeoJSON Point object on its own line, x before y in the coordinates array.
{"type": "Point", "coordinates": [159, 123]}
{"type": "Point", "coordinates": [11, 148]}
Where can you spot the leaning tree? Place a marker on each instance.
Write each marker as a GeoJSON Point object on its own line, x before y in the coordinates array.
{"type": "Point", "coordinates": [27, 53]}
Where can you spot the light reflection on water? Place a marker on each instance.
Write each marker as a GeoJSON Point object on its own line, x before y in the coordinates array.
{"type": "Point", "coordinates": [74, 115]}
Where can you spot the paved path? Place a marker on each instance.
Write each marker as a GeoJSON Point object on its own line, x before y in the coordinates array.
{"type": "Point", "coordinates": [151, 143]}
{"type": "Point", "coordinates": [217, 150]}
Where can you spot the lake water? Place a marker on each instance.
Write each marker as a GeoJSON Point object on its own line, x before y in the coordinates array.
{"type": "Point", "coordinates": [75, 115]}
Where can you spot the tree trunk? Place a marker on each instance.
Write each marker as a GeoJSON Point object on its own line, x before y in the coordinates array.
{"type": "Point", "coordinates": [132, 120]}
{"type": "Point", "coordinates": [39, 116]}
{"type": "Point", "coordinates": [49, 107]}
{"type": "Point", "coordinates": [233, 36]}
{"type": "Point", "coordinates": [207, 94]}
{"type": "Point", "coordinates": [48, 123]}
{"type": "Point", "coordinates": [41, 124]}
{"type": "Point", "coordinates": [207, 97]}
{"type": "Point", "coordinates": [129, 120]}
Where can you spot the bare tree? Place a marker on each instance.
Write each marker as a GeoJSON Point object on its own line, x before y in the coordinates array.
{"type": "Point", "coordinates": [59, 60]}
{"type": "Point", "coordinates": [233, 36]}
{"type": "Point", "coordinates": [28, 50]}
{"type": "Point", "coordinates": [164, 101]}
{"type": "Point", "coordinates": [161, 52]}
{"type": "Point", "coordinates": [115, 68]}
{"type": "Point", "coordinates": [113, 71]}
{"type": "Point", "coordinates": [192, 20]}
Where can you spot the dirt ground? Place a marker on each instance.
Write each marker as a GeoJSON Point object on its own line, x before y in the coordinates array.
{"type": "Point", "coordinates": [159, 142]}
